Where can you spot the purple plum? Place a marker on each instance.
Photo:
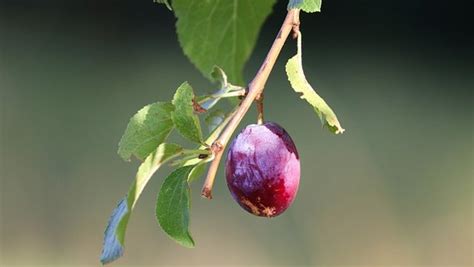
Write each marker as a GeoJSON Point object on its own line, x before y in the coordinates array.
{"type": "Point", "coordinates": [263, 169]}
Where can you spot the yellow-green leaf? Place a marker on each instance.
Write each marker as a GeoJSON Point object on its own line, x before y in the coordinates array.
{"type": "Point", "coordinates": [294, 70]}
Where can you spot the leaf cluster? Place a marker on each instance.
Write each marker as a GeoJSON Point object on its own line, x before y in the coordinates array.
{"type": "Point", "coordinates": [145, 139]}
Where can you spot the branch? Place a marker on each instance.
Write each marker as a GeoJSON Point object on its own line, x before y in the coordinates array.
{"type": "Point", "coordinates": [256, 87]}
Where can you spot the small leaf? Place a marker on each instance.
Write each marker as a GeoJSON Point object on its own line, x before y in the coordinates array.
{"type": "Point", "coordinates": [148, 128]}
{"type": "Point", "coordinates": [214, 118]}
{"type": "Point", "coordinates": [114, 237]}
{"type": "Point", "coordinates": [186, 122]}
{"type": "Point", "coordinates": [227, 90]}
{"type": "Point", "coordinates": [218, 75]}
{"type": "Point", "coordinates": [294, 70]}
{"type": "Point", "coordinates": [220, 32]}
{"type": "Point", "coordinates": [163, 2]}
{"type": "Point", "coordinates": [172, 206]}
{"type": "Point", "coordinates": [309, 6]}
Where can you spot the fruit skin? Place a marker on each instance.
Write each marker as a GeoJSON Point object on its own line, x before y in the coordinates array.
{"type": "Point", "coordinates": [263, 169]}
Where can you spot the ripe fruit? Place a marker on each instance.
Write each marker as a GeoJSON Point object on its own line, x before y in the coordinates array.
{"type": "Point", "coordinates": [263, 169]}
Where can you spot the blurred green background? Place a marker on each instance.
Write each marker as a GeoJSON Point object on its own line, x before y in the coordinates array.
{"type": "Point", "coordinates": [395, 189]}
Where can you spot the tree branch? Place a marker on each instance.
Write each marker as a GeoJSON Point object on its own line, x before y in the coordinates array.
{"type": "Point", "coordinates": [256, 87]}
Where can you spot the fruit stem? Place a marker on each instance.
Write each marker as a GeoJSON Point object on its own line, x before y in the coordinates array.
{"type": "Point", "coordinates": [256, 87]}
{"type": "Point", "coordinates": [259, 101]}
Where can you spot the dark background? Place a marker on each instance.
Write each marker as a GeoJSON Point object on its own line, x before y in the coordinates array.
{"type": "Point", "coordinates": [395, 189]}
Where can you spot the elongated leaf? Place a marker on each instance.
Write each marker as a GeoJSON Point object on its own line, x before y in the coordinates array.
{"type": "Point", "coordinates": [112, 249]}
{"type": "Point", "coordinates": [309, 6]}
{"type": "Point", "coordinates": [148, 128]}
{"type": "Point", "coordinates": [220, 32]}
{"type": "Point", "coordinates": [294, 70]}
{"type": "Point", "coordinates": [186, 122]}
{"type": "Point", "coordinates": [114, 237]}
{"type": "Point", "coordinates": [172, 206]}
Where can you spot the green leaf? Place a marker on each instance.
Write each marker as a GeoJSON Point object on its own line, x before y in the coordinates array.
{"type": "Point", "coordinates": [186, 122]}
{"type": "Point", "coordinates": [309, 6]}
{"type": "Point", "coordinates": [148, 128]}
{"type": "Point", "coordinates": [220, 32]}
{"type": "Point", "coordinates": [114, 237]}
{"type": "Point", "coordinates": [214, 119]}
{"type": "Point", "coordinates": [172, 206]}
{"type": "Point", "coordinates": [294, 70]}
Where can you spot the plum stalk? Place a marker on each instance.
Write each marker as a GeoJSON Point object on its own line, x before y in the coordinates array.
{"type": "Point", "coordinates": [255, 90]}
{"type": "Point", "coordinates": [259, 101]}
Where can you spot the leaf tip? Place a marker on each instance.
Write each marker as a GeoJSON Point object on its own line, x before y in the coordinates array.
{"type": "Point", "coordinates": [165, 2]}
{"type": "Point", "coordinates": [112, 248]}
{"type": "Point", "coordinates": [218, 75]}
{"type": "Point", "coordinates": [187, 242]}
{"type": "Point", "coordinates": [123, 154]}
{"type": "Point", "coordinates": [335, 128]}
{"type": "Point", "coordinates": [190, 244]}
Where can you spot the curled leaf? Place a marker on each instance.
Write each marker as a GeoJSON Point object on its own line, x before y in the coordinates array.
{"type": "Point", "coordinates": [112, 249]}
{"type": "Point", "coordinates": [294, 70]}
{"type": "Point", "coordinates": [226, 89]}
{"type": "Point", "coordinates": [218, 75]}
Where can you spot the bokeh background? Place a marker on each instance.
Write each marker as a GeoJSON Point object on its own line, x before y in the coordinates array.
{"type": "Point", "coordinates": [395, 189]}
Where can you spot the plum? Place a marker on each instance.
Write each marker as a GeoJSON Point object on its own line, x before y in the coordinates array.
{"type": "Point", "coordinates": [263, 169]}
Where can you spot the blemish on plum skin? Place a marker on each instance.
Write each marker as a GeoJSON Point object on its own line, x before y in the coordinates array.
{"type": "Point", "coordinates": [269, 211]}
{"type": "Point", "coordinates": [250, 205]}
